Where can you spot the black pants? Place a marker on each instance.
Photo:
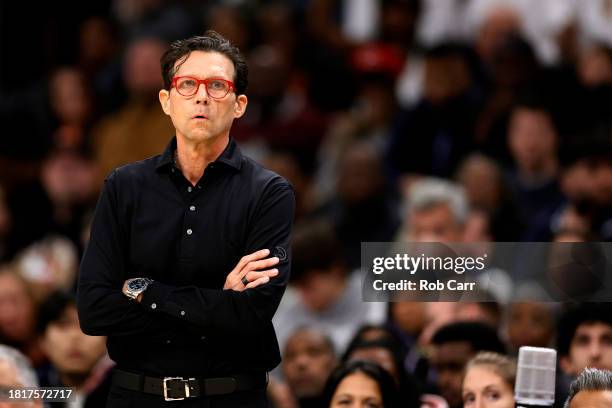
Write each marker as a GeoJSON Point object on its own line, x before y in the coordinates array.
{"type": "Point", "coordinates": [122, 398]}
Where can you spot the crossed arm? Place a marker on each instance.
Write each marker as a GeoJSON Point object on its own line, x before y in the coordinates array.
{"type": "Point", "coordinates": [105, 310]}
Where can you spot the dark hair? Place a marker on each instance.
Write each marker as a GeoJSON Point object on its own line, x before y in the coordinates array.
{"type": "Point", "coordinates": [590, 379]}
{"type": "Point", "coordinates": [574, 316]}
{"type": "Point", "coordinates": [315, 247]}
{"type": "Point", "coordinates": [409, 387]}
{"type": "Point", "coordinates": [51, 309]}
{"type": "Point", "coordinates": [481, 337]}
{"type": "Point", "coordinates": [388, 389]}
{"type": "Point", "coordinates": [211, 41]}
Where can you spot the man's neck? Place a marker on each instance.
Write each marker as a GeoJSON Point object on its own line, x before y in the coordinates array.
{"type": "Point", "coordinates": [192, 158]}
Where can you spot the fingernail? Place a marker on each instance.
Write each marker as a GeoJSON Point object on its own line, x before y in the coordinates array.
{"type": "Point", "coordinates": [266, 251]}
{"type": "Point", "coordinates": [275, 270]}
{"type": "Point", "coordinates": [266, 279]}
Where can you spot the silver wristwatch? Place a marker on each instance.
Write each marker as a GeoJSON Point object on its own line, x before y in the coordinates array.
{"type": "Point", "coordinates": [136, 286]}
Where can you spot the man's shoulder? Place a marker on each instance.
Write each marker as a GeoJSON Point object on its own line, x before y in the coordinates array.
{"type": "Point", "coordinates": [134, 171]}
{"type": "Point", "coordinates": [262, 176]}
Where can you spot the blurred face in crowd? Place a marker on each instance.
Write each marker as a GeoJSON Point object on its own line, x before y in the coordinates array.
{"type": "Point", "coordinates": [450, 360]}
{"type": "Point", "coordinates": [200, 118]}
{"type": "Point", "coordinates": [483, 388]}
{"type": "Point", "coordinates": [592, 399]}
{"type": "Point", "coordinates": [357, 390]}
{"type": "Point", "coordinates": [530, 324]}
{"type": "Point", "coordinates": [434, 224]}
{"type": "Point", "coordinates": [446, 77]}
{"type": "Point", "coordinates": [307, 362]}
{"type": "Point", "coordinates": [16, 308]}
{"type": "Point", "coordinates": [591, 346]}
{"type": "Point", "coordinates": [500, 23]}
{"type": "Point", "coordinates": [411, 317]}
{"type": "Point", "coordinates": [595, 67]}
{"type": "Point", "coordinates": [141, 68]}
{"type": "Point", "coordinates": [481, 179]}
{"type": "Point", "coordinates": [532, 140]}
{"type": "Point", "coordinates": [359, 176]}
{"type": "Point", "coordinates": [9, 377]}
{"type": "Point", "coordinates": [320, 289]}
{"type": "Point", "coordinates": [70, 99]}
{"type": "Point", "coordinates": [70, 350]}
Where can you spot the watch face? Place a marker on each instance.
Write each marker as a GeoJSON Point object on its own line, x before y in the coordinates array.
{"type": "Point", "coordinates": [137, 284]}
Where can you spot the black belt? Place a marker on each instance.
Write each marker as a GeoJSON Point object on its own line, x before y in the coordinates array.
{"type": "Point", "coordinates": [179, 388]}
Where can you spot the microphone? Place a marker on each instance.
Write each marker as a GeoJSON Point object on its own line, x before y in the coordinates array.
{"type": "Point", "coordinates": [535, 377]}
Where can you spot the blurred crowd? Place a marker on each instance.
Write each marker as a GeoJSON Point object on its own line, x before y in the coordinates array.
{"type": "Point", "coordinates": [395, 120]}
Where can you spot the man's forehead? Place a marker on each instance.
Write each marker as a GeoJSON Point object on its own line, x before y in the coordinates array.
{"type": "Point", "coordinates": [203, 63]}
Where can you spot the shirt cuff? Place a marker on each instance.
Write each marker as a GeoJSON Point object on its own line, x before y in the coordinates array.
{"type": "Point", "coordinates": [154, 297]}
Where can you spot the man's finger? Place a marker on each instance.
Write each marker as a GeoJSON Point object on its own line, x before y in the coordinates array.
{"type": "Point", "coordinates": [262, 253]}
{"type": "Point", "coordinates": [261, 264]}
{"type": "Point", "coordinates": [254, 275]}
{"type": "Point", "coordinates": [257, 282]}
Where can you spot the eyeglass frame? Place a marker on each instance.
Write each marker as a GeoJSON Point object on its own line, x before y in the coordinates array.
{"type": "Point", "coordinates": [205, 82]}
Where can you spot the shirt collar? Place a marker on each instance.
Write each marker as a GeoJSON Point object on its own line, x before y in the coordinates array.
{"type": "Point", "coordinates": [231, 155]}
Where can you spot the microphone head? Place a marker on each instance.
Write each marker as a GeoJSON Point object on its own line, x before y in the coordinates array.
{"type": "Point", "coordinates": [535, 376]}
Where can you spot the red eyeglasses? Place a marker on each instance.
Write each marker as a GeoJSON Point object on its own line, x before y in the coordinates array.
{"type": "Point", "coordinates": [216, 88]}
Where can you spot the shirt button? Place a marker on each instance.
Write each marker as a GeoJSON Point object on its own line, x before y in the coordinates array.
{"type": "Point", "coordinates": [189, 231]}
{"type": "Point", "coordinates": [153, 305]}
{"type": "Point", "coordinates": [192, 208]}
{"type": "Point", "coordinates": [182, 313]}
{"type": "Point", "coordinates": [189, 189]}
{"type": "Point", "coordinates": [203, 338]}
{"type": "Point", "coordinates": [168, 341]}
{"type": "Point", "coordinates": [172, 170]}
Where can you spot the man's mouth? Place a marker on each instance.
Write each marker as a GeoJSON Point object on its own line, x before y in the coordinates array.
{"type": "Point", "coordinates": [199, 117]}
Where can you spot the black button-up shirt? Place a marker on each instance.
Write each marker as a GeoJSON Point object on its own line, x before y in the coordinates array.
{"type": "Point", "coordinates": [151, 222]}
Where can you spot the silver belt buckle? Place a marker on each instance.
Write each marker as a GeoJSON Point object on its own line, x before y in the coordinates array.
{"type": "Point", "coordinates": [185, 383]}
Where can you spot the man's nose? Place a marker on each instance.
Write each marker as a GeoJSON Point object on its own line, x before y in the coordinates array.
{"type": "Point", "coordinates": [201, 96]}
{"type": "Point", "coordinates": [595, 350]}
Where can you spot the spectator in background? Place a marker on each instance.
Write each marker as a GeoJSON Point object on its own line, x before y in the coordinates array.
{"type": "Point", "coordinates": [18, 314]}
{"type": "Point", "coordinates": [587, 181]}
{"type": "Point", "coordinates": [324, 293]}
{"type": "Point", "coordinates": [361, 191]}
{"type": "Point", "coordinates": [592, 388]}
{"type": "Point", "coordinates": [308, 360]}
{"type": "Point", "coordinates": [434, 136]}
{"type": "Point", "coordinates": [437, 211]}
{"type": "Point", "coordinates": [72, 104]}
{"type": "Point", "coordinates": [530, 324]}
{"type": "Point", "coordinates": [584, 339]}
{"type": "Point", "coordinates": [118, 138]}
{"type": "Point", "coordinates": [76, 359]}
{"type": "Point", "coordinates": [489, 381]}
{"type": "Point", "coordinates": [534, 141]}
{"type": "Point", "coordinates": [453, 346]}
{"type": "Point", "coordinates": [360, 383]}
{"type": "Point", "coordinates": [387, 352]}
{"type": "Point", "coordinates": [489, 199]}
{"type": "Point", "coordinates": [15, 372]}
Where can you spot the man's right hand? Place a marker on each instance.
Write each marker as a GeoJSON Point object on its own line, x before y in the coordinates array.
{"type": "Point", "coordinates": [253, 267]}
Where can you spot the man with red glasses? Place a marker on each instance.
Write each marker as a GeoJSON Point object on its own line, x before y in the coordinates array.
{"type": "Point", "coordinates": [189, 251]}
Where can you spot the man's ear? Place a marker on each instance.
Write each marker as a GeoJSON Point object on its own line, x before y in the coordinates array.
{"type": "Point", "coordinates": [164, 100]}
{"type": "Point", "coordinates": [240, 105]}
